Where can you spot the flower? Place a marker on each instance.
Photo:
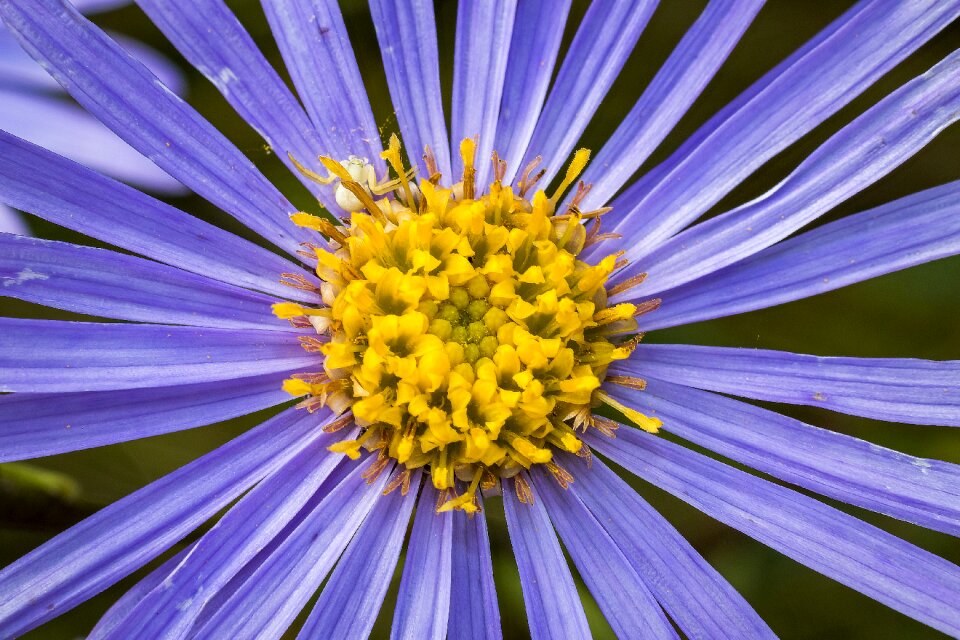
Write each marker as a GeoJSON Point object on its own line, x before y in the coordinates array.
{"type": "Point", "coordinates": [453, 338]}
{"type": "Point", "coordinates": [31, 107]}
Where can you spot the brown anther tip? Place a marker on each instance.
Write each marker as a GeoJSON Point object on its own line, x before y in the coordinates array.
{"type": "Point", "coordinates": [627, 284]}
{"type": "Point", "coordinates": [628, 381]}
{"type": "Point", "coordinates": [339, 423]}
{"type": "Point", "coordinates": [522, 488]}
{"type": "Point", "coordinates": [563, 477]}
{"type": "Point", "coordinates": [647, 306]}
{"type": "Point", "coordinates": [605, 425]}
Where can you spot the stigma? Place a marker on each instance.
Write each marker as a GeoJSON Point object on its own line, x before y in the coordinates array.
{"type": "Point", "coordinates": [458, 324]}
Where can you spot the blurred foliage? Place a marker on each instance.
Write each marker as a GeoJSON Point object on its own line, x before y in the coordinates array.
{"type": "Point", "coordinates": [912, 313]}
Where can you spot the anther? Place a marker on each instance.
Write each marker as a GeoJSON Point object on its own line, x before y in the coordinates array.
{"type": "Point", "coordinates": [627, 284]}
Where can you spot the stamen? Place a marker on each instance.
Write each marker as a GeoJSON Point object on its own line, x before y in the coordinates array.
{"type": "Point", "coordinates": [525, 183]}
{"type": "Point", "coordinates": [645, 422]}
{"type": "Point", "coordinates": [577, 165]}
{"type": "Point", "coordinates": [627, 284]}
{"type": "Point", "coordinates": [468, 152]}
{"type": "Point", "coordinates": [628, 381]}
{"type": "Point", "coordinates": [522, 488]}
{"type": "Point", "coordinates": [647, 306]}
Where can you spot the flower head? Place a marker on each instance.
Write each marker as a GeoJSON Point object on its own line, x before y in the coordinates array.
{"type": "Point", "coordinates": [460, 333]}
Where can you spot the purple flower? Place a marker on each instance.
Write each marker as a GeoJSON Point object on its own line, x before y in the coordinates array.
{"type": "Point", "coordinates": [32, 108]}
{"type": "Point", "coordinates": [506, 410]}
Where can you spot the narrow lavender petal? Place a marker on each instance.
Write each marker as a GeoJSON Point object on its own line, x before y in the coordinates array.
{"type": "Point", "coordinates": [423, 602]}
{"type": "Point", "coordinates": [553, 606]}
{"type": "Point", "coordinates": [861, 556]}
{"type": "Point", "coordinates": [128, 601]}
{"type": "Point", "coordinates": [697, 598]}
{"type": "Point", "coordinates": [407, 33]}
{"type": "Point", "coordinates": [537, 33]}
{"type": "Point", "coordinates": [892, 389]}
{"type": "Point", "coordinates": [789, 101]}
{"type": "Point", "coordinates": [88, 356]}
{"type": "Point", "coordinates": [85, 201]}
{"type": "Point", "coordinates": [91, 556]}
{"type": "Point", "coordinates": [861, 153]}
{"type": "Point", "coordinates": [626, 602]}
{"type": "Point", "coordinates": [350, 601]}
{"type": "Point", "coordinates": [919, 228]}
{"type": "Point", "coordinates": [918, 490]}
{"type": "Point", "coordinates": [479, 66]}
{"type": "Point", "coordinates": [266, 605]}
{"type": "Point", "coordinates": [679, 82]}
{"type": "Point", "coordinates": [33, 425]}
{"type": "Point", "coordinates": [19, 70]}
{"type": "Point", "coordinates": [234, 64]}
{"type": "Point", "coordinates": [474, 612]}
{"type": "Point", "coordinates": [130, 100]}
{"type": "Point", "coordinates": [159, 65]}
{"type": "Point", "coordinates": [12, 222]}
{"type": "Point", "coordinates": [67, 130]}
{"type": "Point", "coordinates": [602, 44]}
{"type": "Point", "coordinates": [172, 607]}
{"type": "Point", "coordinates": [316, 48]}
{"type": "Point", "coordinates": [113, 285]}
{"type": "Point", "coordinates": [92, 6]}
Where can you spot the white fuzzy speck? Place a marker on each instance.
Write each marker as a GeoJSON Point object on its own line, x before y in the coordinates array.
{"type": "Point", "coordinates": [224, 78]}
{"type": "Point", "coordinates": [24, 276]}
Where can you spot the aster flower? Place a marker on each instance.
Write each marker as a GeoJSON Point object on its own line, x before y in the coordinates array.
{"type": "Point", "coordinates": [469, 330]}
{"type": "Point", "coordinates": [32, 108]}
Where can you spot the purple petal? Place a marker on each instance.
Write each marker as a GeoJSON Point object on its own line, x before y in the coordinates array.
{"type": "Point", "coordinates": [694, 62]}
{"type": "Point", "coordinates": [892, 389]}
{"type": "Point", "coordinates": [861, 556]}
{"type": "Point", "coordinates": [69, 131]}
{"type": "Point", "coordinates": [407, 33]}
{"type": "Point", "coordinates": [91, 556]}
{"type": "Point", "coordinates": [918, 490]}
{"type": "Point", "coordinates": [797, 95]}
{"type": "Point", "coordinates": [17, 69]}
{"type": "Point", "coordinates": [861, 153]}
{"type": "Point", "coordinates": [234, 64]}
{"type": "Point", "coordinates": [625, 600]}
{"type": "Point", "coordinates": [171, 608]}
{"type": "Point", "coordinates": [351, 599]}
{"type": "Point", "coordinates": [85, 201]}
{"type": "Point", "coordinates": [113, 285]}
{"type": "Point", "coordinates": [88, 356]}
{"type": "Point", "coordinates": [269, 601]}
{"type": "Point", "coordinates": [479, 66]}
{"type": "Point", "coordinates": [474, 612]}
{"type": "Point", "coordinates": [92, 6]}
{"type": "Point", "coordinates": [553, 606]}
{"type": "Point", "coordinates": [602, 44]}
{"type": "Point", "coordinates": [33, 425]}
{"type": "Point", "coordinates": [697, 598]}
{"type": "Point", "coordinates": [159, 65]}
{"type": "Point", "coordinates": [12, 222]}
{"type": "Point", "coordinates": [913, 230]}
{"type": "Point", "coordinates": [130, 100]}
{"type": "Point", "coordinates": [537, 33]}
{"type": "Point", "coordinates": [423, 602]}
{"type": "Point", "coordinates": [316, 48]}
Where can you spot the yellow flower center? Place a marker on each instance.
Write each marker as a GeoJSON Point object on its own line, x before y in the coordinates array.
{"type": "Point", "coordinates": [461, 329]}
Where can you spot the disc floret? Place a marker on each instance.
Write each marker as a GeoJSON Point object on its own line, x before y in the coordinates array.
{"type": "Point", "coordinates": [461, 329]}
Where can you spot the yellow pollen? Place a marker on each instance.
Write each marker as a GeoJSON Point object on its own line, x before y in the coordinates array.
{"type": "Point", "coordinates": [460, 327]}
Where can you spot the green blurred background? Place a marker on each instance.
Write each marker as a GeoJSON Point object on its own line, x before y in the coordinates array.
{"type": "Point", "coordinates": [908, 314]}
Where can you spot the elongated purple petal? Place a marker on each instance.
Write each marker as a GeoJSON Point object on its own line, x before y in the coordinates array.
{"type": "Point", "coordinates": [166, 71]}
{"type": "Point", "coordinates": [234, 64]}
{"type": "Point", "coordinates": [172, 607]}
{"type": "Point", "coordinates": [265, 605]}
{"type": "Point", "coordinates": [407, 33]}
{"type": "Point", "coordinates": [893, 389]}
{"type": "Point", "coordinates": [479, 67]}
{"type": "Point", "coordinates": [33, 425]}
{"type": "Point", "coordinates": [692, 65]}
{"type": "Point", "coordinates": [925, 492]}
{"type": "Point", "coordinates": [913, 230]}
{"type": "Point", "coordinates": [626, 602]}
{"type": "Point", "coordinates": [130, 100]}
{"type": "Point", "coordinates": [89, 557]}
{"type": "Point", "coordinates": [861, 556]}
{"type": "Point", "coordinates": [603, 42]}
{"type": "Point", "coordinates": [85, 201]}
{"type": "Point", "coordinates": [423, 602]}
{"type": "Point", "coordinates": [797, 95]}
{"type": "Point", "coordinates": [553, 606]}
{"type": "Point", "coordinates": [351, 599]}
{"type": "Point", "coordinates": [67, 130]}
{"type": "Point", "coordinates": [88, 356]}
{"type": "Point", "coordinates": [474, 612]}
{"type": "Point", "coordinates": [12, 222]}
{"type": "Point", "coordinates": [537, 33]}
{"type": "Point", "coordinates": [113, 285]}
{"type": "Point", "coordinates": [315, 46]}
{"type": "Point", "coordinates": [860, 154]}
{"type": "Point", "coordinates": [697, 598]}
